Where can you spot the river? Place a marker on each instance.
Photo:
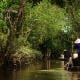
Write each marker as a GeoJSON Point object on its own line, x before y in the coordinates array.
{"type": "Point", "coordinates": [46, 70]}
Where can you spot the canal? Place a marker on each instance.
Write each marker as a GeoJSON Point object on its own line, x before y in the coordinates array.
{"type": "Point", "coordinates": [46, 70]}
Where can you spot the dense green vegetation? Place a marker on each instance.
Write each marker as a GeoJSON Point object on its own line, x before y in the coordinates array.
{"type": "Point", "coordinates": [37, 27]}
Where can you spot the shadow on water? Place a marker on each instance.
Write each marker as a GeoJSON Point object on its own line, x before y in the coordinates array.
{"type": "Point", "coordinates": [46, 70]}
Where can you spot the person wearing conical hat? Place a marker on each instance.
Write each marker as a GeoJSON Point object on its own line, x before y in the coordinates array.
{"type": "Point", "coordinates": [77, 45]}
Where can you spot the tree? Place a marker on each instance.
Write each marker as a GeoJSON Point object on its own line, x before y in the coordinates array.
{"type": "Point", "coordinates": [14, 22]}
{"type": "Point", "coordinates": [45, 22]}
{"type": "Point", "coordinates": [72, 9]}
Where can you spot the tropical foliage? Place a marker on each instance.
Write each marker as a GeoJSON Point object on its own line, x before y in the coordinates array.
{"type": "Point", "coordinates": [38, 24]}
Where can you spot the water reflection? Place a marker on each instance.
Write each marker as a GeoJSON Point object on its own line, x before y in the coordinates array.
{"type": "Point", "coordinates": [47, 64]}
{"type": "Point", "coordinates": [46, 70]}
{"type": "Point", "coordinates": [75, 76]}
{"type": "Point", "coordinates": [50, 64]}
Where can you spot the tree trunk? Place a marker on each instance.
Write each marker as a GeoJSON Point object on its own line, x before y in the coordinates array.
{"type": "Point", "coordinates": [15, 27]}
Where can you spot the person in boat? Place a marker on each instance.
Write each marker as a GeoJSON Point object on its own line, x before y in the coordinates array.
{"type": "Point", "coordinates": [69, 64]}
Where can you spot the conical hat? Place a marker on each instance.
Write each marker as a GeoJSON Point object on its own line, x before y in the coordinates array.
{"type": "Point", "coordinates": [77, 41]}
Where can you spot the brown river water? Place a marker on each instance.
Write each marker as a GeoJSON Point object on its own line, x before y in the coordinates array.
{"type": "Point", "coordinates": [47, 70]}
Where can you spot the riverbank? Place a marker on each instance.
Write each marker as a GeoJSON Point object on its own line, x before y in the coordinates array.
{"type": "Point", "coordinates": [23, 56]}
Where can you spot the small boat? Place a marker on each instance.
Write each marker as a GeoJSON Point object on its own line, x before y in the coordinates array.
{"type": "Point", "coordinates": [73, 68]}
{"type": "Point", "coordinates": [62, 57]}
